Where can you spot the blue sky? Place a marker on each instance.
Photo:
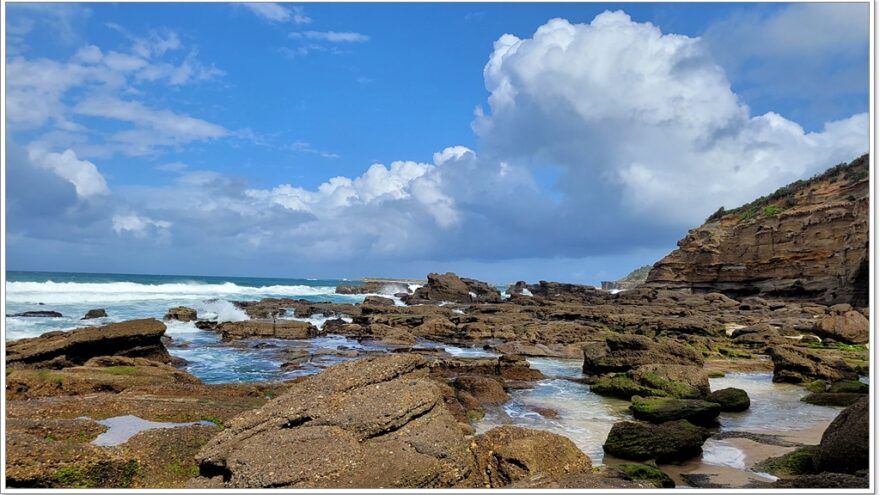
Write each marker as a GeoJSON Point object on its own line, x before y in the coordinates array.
{"type": "Point", "coordinates": [232, 139]}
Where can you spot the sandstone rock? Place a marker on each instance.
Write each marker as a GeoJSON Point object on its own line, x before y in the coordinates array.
{"type": "Point", "coordinates": [508, 454]}
{"type": "Point", "coordinates": [823, 480]}
{"type": "Point", "coordinates": [374, 287]}
{"type": "Point", "coordinates": [449, 287]}
{"type": "Point", "coordinates": [276, 329]}
{"type": "Point", "coordinates": [662, 409]}
{"type": "Point", "coordinates": [667, 442]}
{"type": "Point", "coordinates": [796, 365]}
{"type": "Point", "coordinates": [845, 443]}
{"type": "Point", "coordinates": [808, 241]}
{"type": "Point", "coordinates": [397, 336]}
{"type": "Point", "coordinates": [731, 399]}
{"type": "Point", "coordinates": [378, 301]}
{"type": "Point", "coordinates": [642, 472]}
{"type": "Point", "coordinates": [95, 313]}
{"type": "Point", "coordinates": [181, 313]}
{"type": "Point", "coordinates": [135, 338]}
{"type": "Point", "coordinates": [624, 351]}
{"type": "Point", "coordinates": [846, 326]}
{"type": "Point", "coordinates": [101, 374]}
{"type": "Point", "coordinates": [509, 367]}
{"type": "Point", "coordinates": [484, 390]}
{"type": "Point", "coordinates": [369, 423]}
{"type": "Point", "coordinates": [655, 380]}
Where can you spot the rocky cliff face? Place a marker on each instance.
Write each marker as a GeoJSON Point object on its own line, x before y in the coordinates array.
{"type": "Point", "coordinates": [808, 240]}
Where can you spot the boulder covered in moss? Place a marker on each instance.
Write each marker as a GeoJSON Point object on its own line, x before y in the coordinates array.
{"type": "Point", "coordinates": [663, 409]}
{"type": "Point", "coordinates": [668, 442]}
{"type": "Point", "coordinates": [635, 471]}
{"type": "Point", "coordinates": [623, 352]}
{"type": "Point", "coordinates": [731, 399]}
{"type": "Point", "coordinates": [795, 463]}
{"type": "Point", "coordinates": [655, 380]}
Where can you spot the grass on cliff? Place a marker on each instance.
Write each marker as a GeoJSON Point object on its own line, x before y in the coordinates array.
{"type": "Point", "coordinates": [777, 201]}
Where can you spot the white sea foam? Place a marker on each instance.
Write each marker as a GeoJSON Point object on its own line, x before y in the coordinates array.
{"type": "Point", "coordinates": [75, 292]}
{"type": "Point", "coordinates": [220, 310]}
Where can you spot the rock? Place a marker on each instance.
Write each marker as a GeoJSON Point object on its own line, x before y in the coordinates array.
{"type": "Point", "coordinates": [101, 374]}
{"type": "Point", "coordinates": [849, 386]}
{"type": "Point", "coordinates": [181, 313]}
{"type": "Point", "coordinates": [368, 423]}
{"type": "Point", "coordinates": [135, 338]}
{"type": "Point", "coordinates": [839, 399]}
{"type": "Point", "coordinates": [509, 367]}
{"type": "Point", "coordinates": [667, 442]}
{"type": "Point", "coordinates": [378, 301]}
{"type": "Point", "coordinates": [652, 380]}
{"type": "Point", "coordinates": [847, 326]}
{"type": "Point", "coordinates": [483, 389]}
{"type": "Point", "coordinates": [662, 409]}
{"type": "Point", "coordinates": [796, 365]}
{"type": "Point", "coordinates": [845, 444]}
{"type": "Point", "coordinates": [622, 352]}
{"type": "Point", "coordinates": [37, 314]}
{"type": "Point", "coordinates": [808, 241]}
{"type": "Point", "coordinates": [731, 399]}
{"type": "Point", "coordinates": [450, 287]}
{"type": "Point", "coordinates": [95, 313]}
{"type": "Point", "coordinates": [374, 287]}
{"type": "Point", "coordinates": [643, 472]}
{"type": "Point", "coordinates": [275, 329]}
{"type": "Point", "coordinates": [509, 454]}
{"type": "Point", "coordinates": [795, 463]}
{"type": "Point", "coordinates": [397, 336]}
{"type": "Point", "coordinates": [823, 480]}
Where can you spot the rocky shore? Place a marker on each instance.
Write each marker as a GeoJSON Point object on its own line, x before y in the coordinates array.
{"type": "Point", "coordinates": [775, 287]}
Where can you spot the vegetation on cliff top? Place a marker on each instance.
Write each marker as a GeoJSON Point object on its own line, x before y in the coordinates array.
{"type": "Point", "coordinates": [783, 197]}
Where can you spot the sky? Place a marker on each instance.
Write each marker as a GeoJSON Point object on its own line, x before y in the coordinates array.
{"type": "Point", "coordinates": [569, 142]}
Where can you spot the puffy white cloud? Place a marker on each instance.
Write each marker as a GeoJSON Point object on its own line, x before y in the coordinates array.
{"type": "Point", "coordinates": [644, 121]}
{"type": "Point", "coordinates": [82, 174]}
{"type": "Point", "coordinates": [274, 12]}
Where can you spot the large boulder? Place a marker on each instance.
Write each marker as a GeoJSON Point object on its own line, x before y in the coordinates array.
{"type": "Point", "coordinates": [663, 409]}
{"type": "Point", "coordinates": [94, 313]}
{"type": "Point", "coordinates": [181, 313]}
{"type": "Point", "coordinates": [374, 287]}
{"type": "Point", "coordinates": [622, 352]}
{"type": "Point", "coordinates": [655, 380]}
{"type": "Point", "coordinates": [268, 329]}
{"type": "Point", "coordinates": [37, 314]}
{"type": "Point", "coordinates": [843, 324]}
{"type": "Point", "coordinates": [797, 365]}
{"type": "Point", "coordinates": [667, 442]}
{"type": "Point", "coordinates": [450, 287]}
{"type": "Point", "coordinates": [135, 338]}
{"type": "Point", "coordinates": [731, 399]}
{"type": "Point", "coordinates": [508, 454]}
{"type": "Point", "coordinates": [845, 444]}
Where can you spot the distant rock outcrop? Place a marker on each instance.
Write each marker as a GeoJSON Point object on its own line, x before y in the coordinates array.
{"type": "Point", "coordinates": [807, 240]}
{"type": "Point", "coordinates": [631, 281]}
{"type": "Point", "coordinates": [449, 287]}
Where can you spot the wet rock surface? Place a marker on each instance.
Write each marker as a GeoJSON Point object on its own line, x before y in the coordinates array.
{"type": "Point", "coordinates": [667, 442]}
{"type": "Point", "coordinates": [845, 444]}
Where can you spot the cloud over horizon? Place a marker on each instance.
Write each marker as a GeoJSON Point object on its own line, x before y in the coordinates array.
{"type": "Point", "coordinates": [640, 129]}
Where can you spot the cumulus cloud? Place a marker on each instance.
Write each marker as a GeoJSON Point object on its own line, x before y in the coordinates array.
{"type": "Point", "coordinates": [274, 12]}
{"type": "Point", "coordinates": [82, 174]}
{"type": "Point", "coordinates": [137, 225]}
{"type": "Point", "coordinates": [643, 121]}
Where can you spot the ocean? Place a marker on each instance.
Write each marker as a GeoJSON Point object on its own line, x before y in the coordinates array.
{"type": "Point", "coordinates": [128, 297]}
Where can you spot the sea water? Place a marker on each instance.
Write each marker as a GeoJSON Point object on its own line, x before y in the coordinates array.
{"type": "Point", "coordinates": [128, 297]}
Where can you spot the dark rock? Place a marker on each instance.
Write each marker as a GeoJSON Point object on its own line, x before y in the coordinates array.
{"type": "Point", "coordinates": [655, 380]}
{"type": "Point", "coordinates": [667, 442]}
{"type": "Point", "coordinates": [378, 301]}
{"type": "Point", "coordinates": [795, 463]}
{"type": "Point", "coordinates": [662, 409]}
{"type": "Point", "coordinates": [136, 338]}
{"type": "Point", "coordinates": [838, 399]}
{"type": "Point", "coordinates": [823, 480]}
{"type": "Point", "coordinates": [731, 399]}
{"type": "Point", "coordinates": [796, 365]}
{"type": "Point", "coordinates": [450, 287]}
{"type": "Point", "coordinates": [95, 313]}
{"type": "Point", "coordinates": [374, 287]}
{"type": "Point", "coordinates": [37, 314]}
{"type": "Point", "coordinates": [643, 472]}
{"type": "Point", "coordinates": [845, 444]}
{"type": "Point", "coordinates": [622, 352]}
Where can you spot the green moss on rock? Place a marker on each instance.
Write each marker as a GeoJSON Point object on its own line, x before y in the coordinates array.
{"type": "Point", "coordinates": [642, 472]}
{"type": "Point", "coordinates": [731, 399]}
{"type": "Point", "coordinates": [663, 409]}
{"type": "Point", "coordinates": [794, 463]}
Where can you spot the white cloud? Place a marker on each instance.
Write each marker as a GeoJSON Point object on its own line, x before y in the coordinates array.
{"type": "Point", "coordinates": [331, 36]}
{"type": "Point", "coordinates": [274, 12]}
{"type": "Point", "coordinates": [643, 120]}
{"type": "Point", "coordinates": [137, 225]}
{"type": "Point", "coordinates": [82, 174]}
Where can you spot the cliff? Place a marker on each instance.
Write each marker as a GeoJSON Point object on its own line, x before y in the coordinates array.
{"type": "Point", "coordinates": [631, 281]}
{"type": "Point", "coordinates": [807, 241]}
